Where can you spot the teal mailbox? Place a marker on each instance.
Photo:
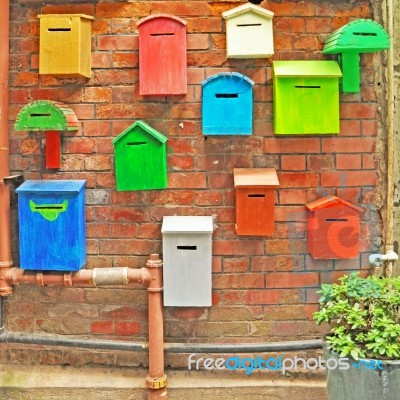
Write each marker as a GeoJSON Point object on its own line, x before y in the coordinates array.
{"type": "Point", "coordinates": [360, 36]}
{"type": "Point", "coordinates": [52, 233]}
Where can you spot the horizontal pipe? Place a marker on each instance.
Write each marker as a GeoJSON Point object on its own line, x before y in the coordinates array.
{"type": "Point", "coordinates": [54, 340]}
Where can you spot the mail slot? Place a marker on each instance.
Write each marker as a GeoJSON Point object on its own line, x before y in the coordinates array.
{"type": "Point", "coordinates": [52, 231]}
{"type": "Point", "coordinates": [227, 104]}
{"type": "Point", "coordinates": [255, 200]}
{"type": "Point", "coordinates": [249, 32]}
{"type": "Point", "coordinates": [65, 44]}
{"type": "Point", "coordinates": [333, 228]}
{"type": "Point", "coordinates": [187, 260]}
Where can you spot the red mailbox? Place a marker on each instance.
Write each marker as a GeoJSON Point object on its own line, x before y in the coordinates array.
{"type": "Point", "coordinates": [162, 55]}
{"type": "Point", "coordinates": [333, 228]}
{"type": "Point", "coordinates": [255, 200]}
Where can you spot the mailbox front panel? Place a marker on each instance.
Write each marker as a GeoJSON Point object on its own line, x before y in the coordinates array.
{"type": "Point", "coordinates": [162, 57]}
{"type": "Point", "coordinates": [333, 233]}
{"type": "Point", "coordinates": [140, 162]}
{"type": "Point", "coordinates": [227, 105]}
{"type": "Point", "coordinates": [51, 227]}
{"type": "Point", "coordinates": [306, 105]}
{"type": "Point", "coordinates": [255, 211]}
{"type": "Point", "coordinates": [249, 36]}
{"type": "Point", "coordinates": [187, 269]}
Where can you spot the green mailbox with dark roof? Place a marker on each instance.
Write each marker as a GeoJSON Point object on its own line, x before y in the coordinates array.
{"type": "Point", "coordinates": [140, 158]}
{"type": "Point", "coordinates": [360, 36]}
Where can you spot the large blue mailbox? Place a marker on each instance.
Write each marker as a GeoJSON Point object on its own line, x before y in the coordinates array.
{"type": "Point", "coordinates": [52, 232]}
{"type": "Point", "coordinates": [227, 104]}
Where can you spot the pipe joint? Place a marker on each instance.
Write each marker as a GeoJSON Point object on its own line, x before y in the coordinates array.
{"type": "Point", "coordinates": [156, 383]}
{"type": "Point", "coordinates": [377, 259]}
{"type": "Point", "coordinates": [110, 276]}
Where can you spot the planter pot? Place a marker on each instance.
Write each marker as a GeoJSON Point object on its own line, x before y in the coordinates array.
{"type": "Point", "coordinates": [365, 379]}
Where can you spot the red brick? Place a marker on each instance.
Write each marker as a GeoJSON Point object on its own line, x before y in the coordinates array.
{"type": "Point", "coordinates": [101, 59]}
{"type": "Point", "coordinates": [241, 281]}
{"type": "Point", "coordinates": [188, 313]}
{"type": "Point", "coordinates": [180, 162]}
{"type": "Point", "coordinates": [291, 145]}
{"type": "Point", "coordinates": [198, 42]}
{"type": "Point", "coordinates": [350, 127]}
{"type": "Point", "coordinates": [298, 179]}
{"type": "Point", "coordinates": [320, 162]}
{"type": "Point", "coordinates": [69, 9]}
{"type": "Point", "coordinates": [308, 43]}
{"type": "Point", "coordinates": [78, 146]}
{"type": "Point", "coordinates": [98, 230]}
{"type": "Point", "coordinates": [350, 178]}
{"type": "Point", "coordinates": [101, 327]}
{"type": "Point", "coordinates": [96, 128]}
{"type": "Point", "coordinates": [208, 198]}
{"type": "Point", "coordinates": [123, 10]}
{"type": "Point", "coordinates": [293, 25]}
{"type": "Point", "coordinates": [198, 8]}
{"type": "Point", "coordinates": [348, 161]}
{"type": "Point", "coordinates": [207, 25]}
{"type": "Point", "coordinates": [290, 9]}
{"type": "Point", "coordinates": [293, 162]}
{"type": "Point", "coordinates": [98, 163]}
{"type": "Point", "coordinates": [236, 264]}
{"type": "Point", "coordinates": [348, 145]}
{"type": "Point", "coordinates": [123, 230]}
{"type": "Point", "coordinates": [125, 60]}
{"type": "Point", "coordinates": [291, 279]}
{"type": "Point", "coordinates": [369, 161]}
{"type": "Point", "coordinates": [121, 214]}
{"type": "Point", "coordinates": [286, 246]}
{"type": "Point", "coordinates": [369, 128]}
{"type": "Point", "coordinates": [290, 213]}
{"type": "Point", "coordinates": [319, 25]}
{"type": "Point", "coordinates": [262, 296]}
{"type": "Point", "coordinates": [128, 246]}
{"type": "Point", "coordinates": [122, 328]}
{"type": "Point", "coordinates": [357, 110]}
{"type": "Point", "coordinates": [236, 247]}
{"type": "Point", "coordinates": [97, 95]}
{"type": "Point", "coordinates": [24, 78]}
{"type": "Point", "coordinates": [194, 180]}
{"type": "Point", "coordinates": [292, 196]}
{"type": "Point", "coordinates": [278, 263]}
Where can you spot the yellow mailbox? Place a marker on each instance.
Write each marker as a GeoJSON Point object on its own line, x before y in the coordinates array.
{"type": "Point", "coordinates": [65, 44]}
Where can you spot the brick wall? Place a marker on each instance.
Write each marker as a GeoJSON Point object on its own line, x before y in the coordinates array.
{"type": "Point", "coordinates": [263, 288]}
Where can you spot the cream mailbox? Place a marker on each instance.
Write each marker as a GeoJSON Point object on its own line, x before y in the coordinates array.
{"type": "Point", "coordinates": [249, 32]}
{"type": "Point", "coordinates": [187, 261]}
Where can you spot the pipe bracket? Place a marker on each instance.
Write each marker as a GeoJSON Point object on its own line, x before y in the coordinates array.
{"type": "Point", "coordinates": [155, 290]}
{"type": "Point", "coordinates": [5, 264]}
{"type": "Point", "coordinates": [68, 279]}
{"type": "Point", "coordinates": [39, 279]}
{"type": "Point", "coordinates": [156, 383]}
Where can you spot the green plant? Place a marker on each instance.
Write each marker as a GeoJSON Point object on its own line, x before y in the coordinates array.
{"type": "Point", "coordinates": [364, 316]}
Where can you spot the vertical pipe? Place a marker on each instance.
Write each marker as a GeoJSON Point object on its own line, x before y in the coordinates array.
{"type": "Point", "coordinates": [5, 225]}
{"type": "Point", "coordinates": [156, 380]}
{"type": "Point", "coordinates": [390, 140]}
{"type": "Point", "coordinates": [1, 314]}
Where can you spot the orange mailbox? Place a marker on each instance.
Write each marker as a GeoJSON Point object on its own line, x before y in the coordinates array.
{"type": "Point", "coordinates": [333, 228]}
{"type": "Point", "coordinates": [255, 200]}
{"type": "Point", "coordinates": [162, 55]}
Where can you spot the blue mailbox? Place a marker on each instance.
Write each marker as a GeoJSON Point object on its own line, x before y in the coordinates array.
{"type": "Point", "coordinates": [52, 234]}
{"type": "Point", "coordinates": [227, 104]}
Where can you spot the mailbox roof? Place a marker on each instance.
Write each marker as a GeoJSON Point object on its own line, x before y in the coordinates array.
{"type": "Point", "coordinates": [330, 201]}
{"type": "Point", "coordinates": [307, 68]}
{"type": "Point", "coordinates": [145, 127]}
{"type": "Point", "coordinates": [360, 36]}
{"type": "Point", "coordinates": [46, 115]}
{"type": "Point", "coordinates": [56, 186]}
{"type": "Point", "coordinates": [251, 177]}
{"type": "Point", "coordinates": [245, 8]}
{"type": "Point", "coordinates": [85, 16]}
{"type": "Point", "coordinates": [159, 16]}
{"type": "Point", "coordinates": [190, 224]}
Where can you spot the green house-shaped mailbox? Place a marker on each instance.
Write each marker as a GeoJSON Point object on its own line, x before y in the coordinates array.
{"type": "Point", "coordinates": [140, 158]}
{"type": "Point", "coordinates": [50, 117]}
{"type": "Point", "coordinates": [360, 36]}
{"type": "Point", "coordinates": [306, 97]}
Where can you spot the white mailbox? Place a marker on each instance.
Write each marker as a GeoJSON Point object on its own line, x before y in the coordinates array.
{"type": "Point", "coordinates": [187, 261]}
{"type": "Point", "coordinates": [249, 32]}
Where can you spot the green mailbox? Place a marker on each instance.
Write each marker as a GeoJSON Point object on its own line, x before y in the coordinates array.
{"type": "Point", "coordinates": [140, 158]}
{"type": "Point", "coordinates": [360, 36]}
{"type": "Point", "coordinates": [306, 97]}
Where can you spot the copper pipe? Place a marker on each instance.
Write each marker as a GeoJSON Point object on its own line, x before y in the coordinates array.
{"type": "Point", "coordinates": [156, 380]}
{"type": "Point", "coordinates": [5, 225]}
{"type": "Point", "coordinates": [84, 277]}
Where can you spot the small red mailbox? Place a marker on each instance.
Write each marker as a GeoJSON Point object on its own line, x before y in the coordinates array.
{"type": "Point", "coordinates": [162, 55]}
{"type": "Point", "coordinates": [333, 228]}
{"type": "Point", "coordinates": [255, 200]}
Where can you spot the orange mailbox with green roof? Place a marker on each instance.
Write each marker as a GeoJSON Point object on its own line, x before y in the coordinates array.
{"type": "Point", "coordinates": [306, 97]}
{"type": "Point", "coordinates": [360, 36]}
{"type": "Point", "coordinates": [140, 158]}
